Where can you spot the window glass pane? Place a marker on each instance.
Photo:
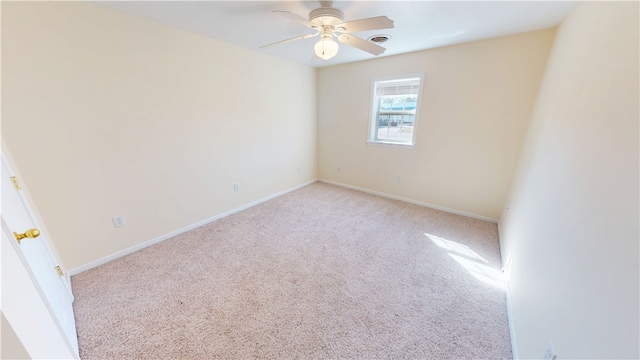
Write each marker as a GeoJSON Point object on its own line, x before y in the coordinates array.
{"type": "Point", "coordinates": [395, 104]}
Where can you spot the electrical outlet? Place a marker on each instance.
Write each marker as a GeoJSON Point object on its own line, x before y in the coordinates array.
{"type": "Point", "coordinates": [550, 353]}
{"type": "Point", "coordinates": [118, 221]}
{"type": "Point", "coordinates": [299, 169]}
{"type": "Point", "coordinates": [338, 169]}
{"type": "Point", "coordinates": [236, 187]}
{"type": "Point", "coordinates": [399, 178]}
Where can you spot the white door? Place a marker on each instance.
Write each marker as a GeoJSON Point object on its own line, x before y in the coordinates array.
{"type": "Point", "coordinates": [37, 257]}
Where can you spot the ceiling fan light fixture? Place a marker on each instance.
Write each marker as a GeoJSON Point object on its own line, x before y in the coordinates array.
{"type": "Point", "coordinates": [328, 22]}
{"type": "Point", "coordinates": [326, 48]}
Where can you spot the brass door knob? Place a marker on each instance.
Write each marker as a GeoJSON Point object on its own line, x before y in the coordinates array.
{"type": "Point", "coordinates": [31, 234]}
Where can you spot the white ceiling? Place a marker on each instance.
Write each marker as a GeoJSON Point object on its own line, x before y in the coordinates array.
{"type": "Point", "coordinates": [419, 25]}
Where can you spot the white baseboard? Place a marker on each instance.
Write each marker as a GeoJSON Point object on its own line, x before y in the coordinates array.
{"type": "Point", "coordinates": [512, 332]}
{"type": "Point", "coordinates": [411, 201]}
{"type": "Point", "coordinates": [121, 253]}
{"type": "Point", "coordinates": [504, 260]}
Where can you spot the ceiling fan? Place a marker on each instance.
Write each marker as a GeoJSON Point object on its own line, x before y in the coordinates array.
{"type": "Point", "coordinates": [329, 23]}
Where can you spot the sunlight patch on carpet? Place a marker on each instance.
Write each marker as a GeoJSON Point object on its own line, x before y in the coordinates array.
{"type": "Point", "coordinates": [471, 261]}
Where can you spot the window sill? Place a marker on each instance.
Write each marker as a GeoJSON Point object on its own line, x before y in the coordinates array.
{"type": "Point", "coordinates": [391, 144]}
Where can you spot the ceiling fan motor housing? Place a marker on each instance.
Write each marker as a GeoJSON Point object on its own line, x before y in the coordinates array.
{"type": "Point", "coordinates": [326, 16]}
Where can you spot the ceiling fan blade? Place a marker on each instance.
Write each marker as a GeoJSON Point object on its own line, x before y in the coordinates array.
{"type": "Point", "coordinates": [374, 23]}
{"type": "Point", "coordinates": [296, 18]}
{"type": "Point", "coordinates": [361, 44]}
{"type": "Point", "coordinates": [292, 39]}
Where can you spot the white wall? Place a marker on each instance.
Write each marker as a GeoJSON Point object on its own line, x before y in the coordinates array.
{"type": "Point", "coordinates": [10, 346]}
{"type": "Point", "coordinates": [475, 108]}
{"type": "Point", "coordinates": [107, 114]}
{"type": "Point", "coordinates": [572, 228]}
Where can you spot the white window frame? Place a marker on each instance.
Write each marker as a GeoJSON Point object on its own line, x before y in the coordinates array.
{"type": "Point", "coordinates": [373, 114]}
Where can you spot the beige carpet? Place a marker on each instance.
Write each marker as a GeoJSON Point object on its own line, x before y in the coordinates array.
{"type": "Point", "coordinates": [322, 272]}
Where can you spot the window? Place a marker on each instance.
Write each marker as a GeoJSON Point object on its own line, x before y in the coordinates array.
{"type": "Point", "coordinates": [394, 108]}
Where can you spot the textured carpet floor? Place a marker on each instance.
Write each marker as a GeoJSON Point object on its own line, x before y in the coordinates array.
{"type": "Point", "coordinates": [321, 272]}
